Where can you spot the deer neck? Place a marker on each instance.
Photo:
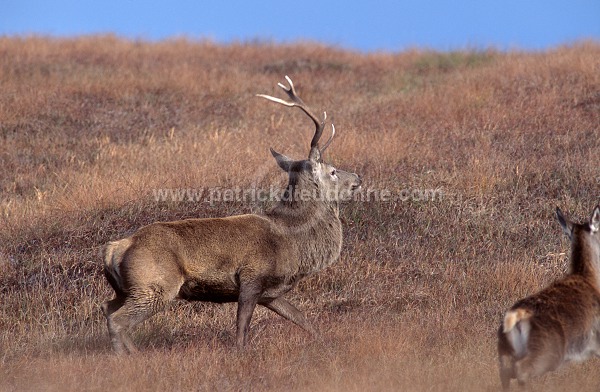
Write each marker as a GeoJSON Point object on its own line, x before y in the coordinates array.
{"type": "Point", "coordinates": [312, 226]}
{"type": "Point", "coordinates": [585, 259]}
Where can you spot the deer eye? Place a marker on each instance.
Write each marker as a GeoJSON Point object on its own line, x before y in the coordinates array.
{"type": "Point", "coordinates": [333, 172]}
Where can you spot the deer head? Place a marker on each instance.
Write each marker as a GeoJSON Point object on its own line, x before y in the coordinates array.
{"type": "Point", "coordinates": [593, 227]}
{"type": "Point", "coordinates": [312, 174]}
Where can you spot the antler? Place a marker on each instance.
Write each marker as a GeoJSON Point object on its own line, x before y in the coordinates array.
{"type": "Point", "coordinates": [328, 142]}
{"type": "Point", "coordinates": [295, 100]}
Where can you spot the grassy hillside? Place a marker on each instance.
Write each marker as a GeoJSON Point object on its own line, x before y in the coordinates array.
{"type": "Point", "coordinates": [91, 128]}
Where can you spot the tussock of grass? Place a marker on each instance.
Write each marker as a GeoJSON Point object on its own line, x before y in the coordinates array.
{"type": "Point", "coordinates": [90, 126]}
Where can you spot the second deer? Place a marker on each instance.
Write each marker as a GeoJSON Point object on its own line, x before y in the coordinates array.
{"type": "Point", "coordinates": [562, 322]}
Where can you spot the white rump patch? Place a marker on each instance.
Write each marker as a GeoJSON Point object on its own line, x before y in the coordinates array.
{"type": "Point", "coordinates": [517, 327]}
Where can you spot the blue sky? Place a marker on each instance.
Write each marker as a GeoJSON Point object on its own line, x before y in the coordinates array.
{"type": "Point", "coordinates": [360, 25]}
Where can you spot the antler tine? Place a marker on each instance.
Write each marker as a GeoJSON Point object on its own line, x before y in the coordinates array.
{"type": "Point", "coordinates": [328, 142]}
{"type": "Point", "coordinates": [295, 100]}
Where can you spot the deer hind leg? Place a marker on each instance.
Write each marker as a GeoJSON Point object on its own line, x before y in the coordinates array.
{"type": "Point", "coordinates": [124, 314]}
{"type": "Point", "coordinates": [117, 338]}
{"type": "Point", "coordinates": [507, 371]}
{"type": "Point", "coordinates": [535, 365]}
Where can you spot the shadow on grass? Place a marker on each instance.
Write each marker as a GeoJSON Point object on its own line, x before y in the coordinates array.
{"type": "Point", "coordinates": [147, 338]}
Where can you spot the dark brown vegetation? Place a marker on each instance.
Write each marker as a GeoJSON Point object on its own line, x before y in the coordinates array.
{"type": "Point", "coordinates": [90, 127]}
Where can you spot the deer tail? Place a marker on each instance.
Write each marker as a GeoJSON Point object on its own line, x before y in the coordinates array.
{"type": "Point", "coordinates": [113, 254]}
{"type": "Point", "coordinates": [516, 327]}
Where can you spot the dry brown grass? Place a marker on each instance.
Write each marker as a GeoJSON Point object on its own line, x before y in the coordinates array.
{"type": "Point", "coordinates": [89, 127]}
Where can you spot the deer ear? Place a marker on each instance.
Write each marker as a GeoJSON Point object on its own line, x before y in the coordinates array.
{"type": "Point", "coordinates": [567, 226]}
{"type": "Point", "coordinates": [315, 154]}
{"type": "Point", "coordinates": [595, 219]}
{"type": "Point", "coordinates": [284, 162]}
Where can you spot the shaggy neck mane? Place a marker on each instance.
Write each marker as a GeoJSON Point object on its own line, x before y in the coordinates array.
{"type": "Point", "coordinates": [311, 222]}
{"type": "Point", "coordinates": [303, 195]}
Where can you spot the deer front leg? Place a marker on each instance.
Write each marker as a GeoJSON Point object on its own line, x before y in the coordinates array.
{"type": "Point", "coordinates": [247, 301]}
{"type": "Point", "coordinates": [288, 311]}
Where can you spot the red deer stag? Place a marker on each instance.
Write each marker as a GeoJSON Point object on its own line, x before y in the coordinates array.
{"type": "Point", "coordinates": [249, 259]}
{"type": "Point", "coordinates": [562, 322]}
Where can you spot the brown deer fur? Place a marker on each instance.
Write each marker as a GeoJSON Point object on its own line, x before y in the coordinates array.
{"type": "Point", "coordinates": [562, 322]}
{"type": "Point", "coordinates": [248, 259]}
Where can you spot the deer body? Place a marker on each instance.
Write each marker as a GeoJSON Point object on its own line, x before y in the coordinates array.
{"type": "Point", "coordinates": [560, 323]}
{"type": "Point", "coordinates": [193, 254]}
{"type": "Point", "coordinates": [249, 259]}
